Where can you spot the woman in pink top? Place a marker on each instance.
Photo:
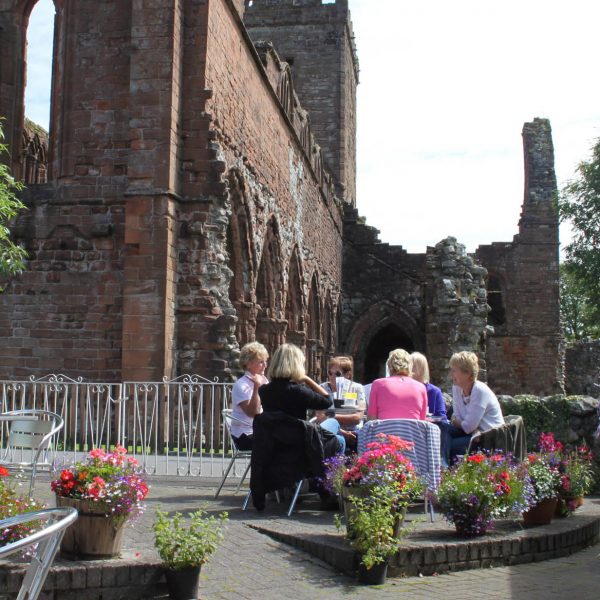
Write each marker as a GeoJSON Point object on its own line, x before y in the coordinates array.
{"type": "Point", "coordinates": [398, 396]}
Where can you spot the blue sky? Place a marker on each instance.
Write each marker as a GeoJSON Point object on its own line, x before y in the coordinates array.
{"type": "Point", "coordinates": [445, 89]}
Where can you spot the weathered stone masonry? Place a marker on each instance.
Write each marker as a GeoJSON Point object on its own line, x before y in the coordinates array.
{"type": "Point", "coordinates": [438, 302]}
{"type": "Point", "coordinates": [187, 209]}
{"type": "Point", "coordinates": [201, 194]}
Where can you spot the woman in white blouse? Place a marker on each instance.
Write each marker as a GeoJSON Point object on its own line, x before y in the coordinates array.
{"type": "Point", "coordinates": [475, 406]}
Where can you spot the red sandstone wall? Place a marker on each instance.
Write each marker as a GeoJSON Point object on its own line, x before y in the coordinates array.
{"type": "Point", "coordinates": [250, 141]}
{"type": "Point", "coordinates": [249, 120]}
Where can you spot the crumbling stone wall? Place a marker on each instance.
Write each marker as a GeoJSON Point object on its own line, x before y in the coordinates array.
{"type": "Point", "coordinates": [526, 351]}
{"type": "Point", "coordinates": [383, 304]}
{"type": "Point", "coordinates": [447, 293]}
{"type": "Point", "coordinates": [582, 368]}
{"type": "Point", "coordinates": [188, 208]}
{"type": "Point", "coordinates": [456, 306]}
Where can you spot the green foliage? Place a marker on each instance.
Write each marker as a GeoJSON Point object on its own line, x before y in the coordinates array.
{"type": "Point", "coordinates": [11, 505]}
{"type": "Point", "coordinates": [548, 414]}
{"type": "Point", "coordinates": [180, 546]}
{"type": "Point", "coordinates": [12, 256]}
{"type": "Point", "coordinates": [372, 522]}
{"type": "Point", "coordinates": [544, 479]}
{"type": "Point", "coordinates": [481, 488]}
{"type": "Point", "coordinates": [579, 316]}
{"type": "Point", "coordinates": [579, 203]}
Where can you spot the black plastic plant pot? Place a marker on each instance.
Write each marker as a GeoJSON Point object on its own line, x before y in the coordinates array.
{"type": "Point", "coordinates": [183, 583]}
{"type": "Point", "coordinates": [376, 575]}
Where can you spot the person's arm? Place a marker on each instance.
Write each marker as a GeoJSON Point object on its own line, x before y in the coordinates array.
{"type": "Point", "coordinates": [474, 411]}
{"type": "Point", "coordinates": [372, 410]}
{"type": "Point", "coordinates": [317, 397]}
{"type": "Point", "coordinates": [424, 403]}
{"type": "Point", "coordinates": [362, 400]}
{"type": "Point", "coordinates": [349, 420]}
{"type": "Point", "coordinates": [439, 406]}
{"type": "Point", "coordinates": [457, 407]}
{"type": "Point", "coordinates": [253, 407]}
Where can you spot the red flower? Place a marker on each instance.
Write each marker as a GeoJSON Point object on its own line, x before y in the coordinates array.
{"type": "Point", "coordinates": [66, 476]}
{"type": "Point", "coordinates": [3, 472]}
{"type": "Point", "coordinates": [476, 458]}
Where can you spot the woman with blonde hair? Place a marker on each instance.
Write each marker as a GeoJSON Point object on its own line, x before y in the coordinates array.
{"type": "Point", "coordinates": [244, 396]}
{"type": "Point", "coordinates": [291, 390]}
{"type": "Point", "coordinates": [475, 406]}
{"type": "Point", "coordinates": [398, 396]}
{"type": "Point", "coordinates": [435, 399]}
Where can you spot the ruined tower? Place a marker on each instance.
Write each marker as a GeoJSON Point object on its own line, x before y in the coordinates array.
{"type": "Point", "coordinates": [316, 40]}
{"type": "Point", "coordinates": [526, 351]}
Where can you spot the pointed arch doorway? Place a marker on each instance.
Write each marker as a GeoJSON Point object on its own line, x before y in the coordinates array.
{"type": "Point", "coordinates": [377, 350]}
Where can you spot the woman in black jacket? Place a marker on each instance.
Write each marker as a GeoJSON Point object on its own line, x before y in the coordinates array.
{"type": "Point", "coordinates": [290, 389]}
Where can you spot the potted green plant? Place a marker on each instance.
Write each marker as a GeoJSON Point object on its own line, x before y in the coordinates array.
{"type": "Point", "coordinates": [479, 489]}
{"type": "Point", "coordinates": [11, 505]}
{"type": "Point", "coordinates": [185, 548]}
{"type": "Point", "coordinates": [544, 479]}
{"type": "Point", "coordinates": [382, 466]}
{"type": "Point", "coordinates": [375, 539]}
{"type": "Point", "coordinates": [575, 472]}
{"type": "Point", "coordinates": [576, 479]}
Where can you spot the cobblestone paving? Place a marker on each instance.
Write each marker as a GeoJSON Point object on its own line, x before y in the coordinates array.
{"type": "Point", "coordinates": [250, 565]}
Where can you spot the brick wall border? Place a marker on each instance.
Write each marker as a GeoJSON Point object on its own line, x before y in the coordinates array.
{"type": "Point", "coordinates": [442, 552]}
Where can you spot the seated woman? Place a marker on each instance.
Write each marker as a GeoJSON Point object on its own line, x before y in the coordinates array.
{"type": "Point", "coordinates": [475, 406]}
{"type": "Point", "coordinates": [342, 366]}
{"type": "Point", "coordinates": [398, 396]}
{"type": "Point", "coordinates": [435, 399]}
{"type": "Point", "coordinates": [293, 392]}
{"type": "Point", "coordinates": [244, 396]}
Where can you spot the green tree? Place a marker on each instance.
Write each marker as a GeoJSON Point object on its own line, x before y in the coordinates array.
{"type": "Point", "coordinates": [576, 311]}
{"type": "Point", "coordinates": [580, 204]}
{"type": "Point", "coordinates": [12, 256]}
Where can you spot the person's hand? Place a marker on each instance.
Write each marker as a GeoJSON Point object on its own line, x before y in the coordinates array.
{"type": "Point", "coordinates": [320, 416]}
{"type": "Point", "coordinates": [455, 421]}
{"type": "Point", "coordinates": [349, 436]}
{"type": "Point", "coordinates": [258, 379]}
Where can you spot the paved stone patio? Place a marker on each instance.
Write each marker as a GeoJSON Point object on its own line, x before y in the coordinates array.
{"type": "Point", "coordinates": [251, 565]}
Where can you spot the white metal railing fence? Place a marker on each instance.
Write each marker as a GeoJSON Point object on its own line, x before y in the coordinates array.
{"type": "Point", "coordinates": [173, 427]}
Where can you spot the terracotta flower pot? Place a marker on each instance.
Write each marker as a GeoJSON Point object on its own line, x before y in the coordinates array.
{"type": "Point", "coordinates": [542, 513]}
{"type": "Point", "coordinates": [94, 535]}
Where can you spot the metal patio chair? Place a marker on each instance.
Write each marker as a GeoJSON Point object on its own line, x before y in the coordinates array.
{"type": "Point", "coordinates": [47, 539]}
{"type": "Point", "coordinates": [29, 441]}
{"type": "Point", "coordinates": [228, 418]}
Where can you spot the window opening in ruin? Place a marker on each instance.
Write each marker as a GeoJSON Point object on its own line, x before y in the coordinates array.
{"type": "Point", "coordinates": [38, 85]}
{"type": "Point", "coordinates": [293, 303]}
{"type": "Point", "coordinates": [495, 299]}
{"type": "Point", "coordinates": [382, 343]}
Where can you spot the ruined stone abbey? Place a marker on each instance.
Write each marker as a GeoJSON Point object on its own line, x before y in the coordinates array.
{"type": "Point", "coordinates": [197, 191]}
